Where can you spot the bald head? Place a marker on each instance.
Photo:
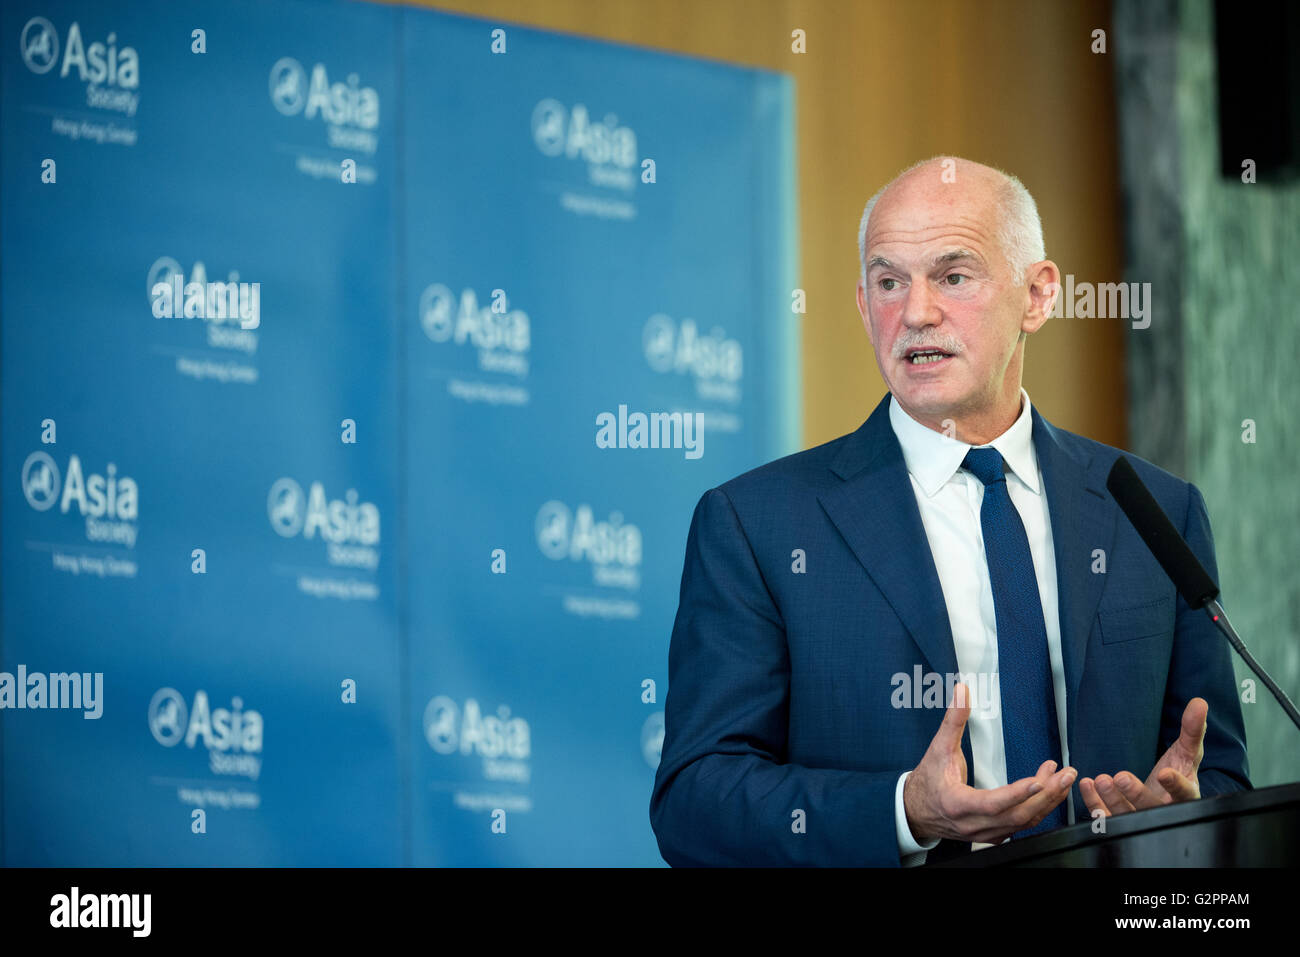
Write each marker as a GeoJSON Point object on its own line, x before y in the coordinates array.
{"type": "Point", "coordinates": [932, 190]}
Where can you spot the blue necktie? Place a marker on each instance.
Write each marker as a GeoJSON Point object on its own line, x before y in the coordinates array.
{"type": "Point", "coordinates": [1029, 728]}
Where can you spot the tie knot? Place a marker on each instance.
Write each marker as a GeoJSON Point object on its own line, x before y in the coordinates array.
{"type": "Point", "coordinates": [985, 464]}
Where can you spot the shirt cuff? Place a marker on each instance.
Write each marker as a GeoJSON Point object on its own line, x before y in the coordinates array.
{"type": "Point", "coordinates": [908, 849]}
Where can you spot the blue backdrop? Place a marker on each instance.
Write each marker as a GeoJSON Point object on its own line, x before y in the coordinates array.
{"type": "Point", "coordinates": [362, 584]}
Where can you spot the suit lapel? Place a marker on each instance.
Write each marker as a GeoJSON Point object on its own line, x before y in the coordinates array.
{"type": "Point", "coordinates": [875, 510]}
{"type": "Point", "coordinates": [1082, 522]}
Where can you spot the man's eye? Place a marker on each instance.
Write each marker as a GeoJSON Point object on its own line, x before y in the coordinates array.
{"type": "Point", "coordinates": [888, 284]}
{"type": "Point", "coordinates": [954, 275]}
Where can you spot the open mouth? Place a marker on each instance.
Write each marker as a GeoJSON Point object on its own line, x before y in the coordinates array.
{"type": "Point", "coordinates": [920, 357]}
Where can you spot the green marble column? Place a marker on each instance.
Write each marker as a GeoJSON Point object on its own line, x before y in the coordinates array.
{"type": "Point", "coordinates": [1221, 351]}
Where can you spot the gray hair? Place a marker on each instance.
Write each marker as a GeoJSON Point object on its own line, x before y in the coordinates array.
{"type": "Point", "coordinates": [1020, 233]}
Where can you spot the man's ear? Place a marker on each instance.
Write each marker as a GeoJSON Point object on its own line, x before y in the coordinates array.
{"type": "Point", "coordinates": [862, 310]}
{"type": "Point", "coordinates": [1044, 289]}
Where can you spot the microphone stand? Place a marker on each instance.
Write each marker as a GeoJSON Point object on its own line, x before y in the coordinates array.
{"type": "Point", "coordinates": [1220, 618]}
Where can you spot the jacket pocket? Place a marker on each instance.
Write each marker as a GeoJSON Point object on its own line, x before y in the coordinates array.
{"type": "Point", "coordinates": [1137, 621]}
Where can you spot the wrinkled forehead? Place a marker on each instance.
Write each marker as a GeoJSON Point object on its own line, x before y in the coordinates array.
{"type": "Point", "coordinates": [921, 213]}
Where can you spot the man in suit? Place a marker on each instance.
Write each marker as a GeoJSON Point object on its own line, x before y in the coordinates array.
{"type": "Point", "coordinates": [937, 632]}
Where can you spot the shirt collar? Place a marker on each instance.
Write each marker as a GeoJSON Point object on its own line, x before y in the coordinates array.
{"type": "Point", "coordinates": [933, 458]}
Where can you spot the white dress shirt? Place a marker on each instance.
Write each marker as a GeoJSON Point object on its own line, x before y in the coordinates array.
{"type": "Point", "coordinates": [949, 499]}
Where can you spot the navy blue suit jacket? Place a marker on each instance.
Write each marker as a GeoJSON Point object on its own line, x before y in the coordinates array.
{"type": "Point", "coordinates": [780, 683]}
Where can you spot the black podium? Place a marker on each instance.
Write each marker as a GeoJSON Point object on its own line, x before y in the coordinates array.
{"type": "Point", "coordinates": [1258, 828]}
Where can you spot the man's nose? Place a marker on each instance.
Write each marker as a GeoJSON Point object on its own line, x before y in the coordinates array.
{"type": "Point", "coordinates": [921, 307]}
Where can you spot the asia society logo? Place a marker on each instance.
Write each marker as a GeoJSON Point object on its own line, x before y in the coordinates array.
{"type": "Point", "coordinates": [437, 310]}
{"type": "Point", "coordinates": [219, 729]}
{"type": "Point", "coordinates": [562, 131]}
{"type": "Point", "coordinates": [338, 104]}
{"type": "Point", "coordinates": [553, 523]}
{"type": "Point", "coordinates": [345, 521]}
{"type": "Point", "coordinates": [450, 729]}
{"type": "Point", "coordinates": [288, 86]}
{"type": "Point", "coordinates": [98, 63]}
{"type": "Point", "coordinates": [286, 506]}
{"type": "Point", "coordinates": [109, 495]}
{"type": "Point", "coordinates": [680, 348]}
{"type": "Point", "coordinates": [168, 716]}
{"type": "Point", "coordinates": [232, 736]}
{"type": "Point", "coordinates": [444, 317]}
{"type": "Point", "coordinates": [563, 533]}
{"type": "Point", "coordinates": [548, 126]}
{"type": "Point", "coordinates": [611, 547]}
{"type": "Point", "coordinates": [39, 45]}
{"type": "Point", "coordinates": [40, 481]}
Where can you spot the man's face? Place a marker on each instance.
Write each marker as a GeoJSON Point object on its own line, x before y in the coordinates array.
{"type": "Point", "coordinates": [939, 305]}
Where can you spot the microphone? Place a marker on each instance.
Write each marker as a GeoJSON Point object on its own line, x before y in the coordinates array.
{"type": "Point", "coordinates": [1181, 564]}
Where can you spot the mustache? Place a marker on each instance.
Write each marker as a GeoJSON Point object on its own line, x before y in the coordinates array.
{"type": "Point", "coordinates": [926, 340]}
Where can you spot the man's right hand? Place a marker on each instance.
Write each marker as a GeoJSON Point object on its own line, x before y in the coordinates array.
{"type": "Point", "coordinates": [940, 804]}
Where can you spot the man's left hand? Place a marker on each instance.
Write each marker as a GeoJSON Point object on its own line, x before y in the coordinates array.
{"type": "Point", "coordinates": [1172, 779]}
